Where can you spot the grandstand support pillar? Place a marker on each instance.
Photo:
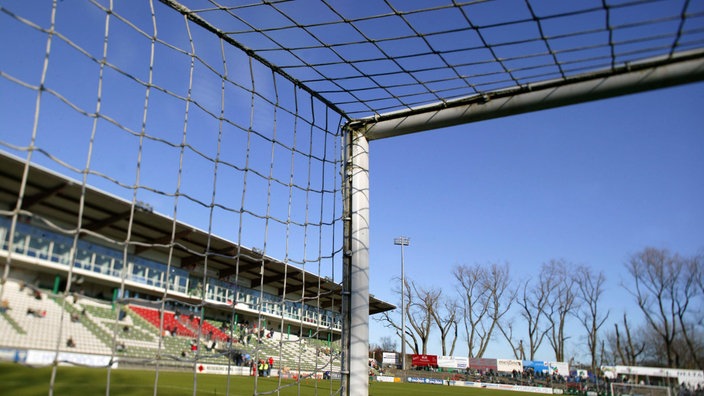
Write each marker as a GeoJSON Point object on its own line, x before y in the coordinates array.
{"type": "Point", "coordinates": [356, 290]}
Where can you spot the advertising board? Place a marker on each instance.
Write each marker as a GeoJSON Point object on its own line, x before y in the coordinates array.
{"type": "Point", "coordinates": [388, 358]}
{"type": "Point", "coordinates": [509, 365]}
{"type": "Point", "coordinates": [482, 364]}
{"type": "Point", "coordinates": [424, 360]}
{"type": "Point", "coordinates": [420, 380]}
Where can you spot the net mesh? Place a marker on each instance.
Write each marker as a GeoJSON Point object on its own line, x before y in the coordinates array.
{"type": "Point", "coordinates": [618, 389]}
{"type": "Point", "coordinates": [139, 102]}
{"type": "Point", "coordinates": [381, 56]}
{"type": "Point", "coordinates": [214, 128]}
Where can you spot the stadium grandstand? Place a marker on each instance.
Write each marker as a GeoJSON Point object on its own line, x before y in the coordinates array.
{"type": "Point", "coordinates": [227, 328]}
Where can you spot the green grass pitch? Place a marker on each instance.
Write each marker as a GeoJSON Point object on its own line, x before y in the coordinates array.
{"type": "Point", "coordinates": [26, 381]}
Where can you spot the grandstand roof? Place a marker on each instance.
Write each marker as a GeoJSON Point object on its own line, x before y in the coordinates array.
{"type": "Point", "coordinates": [57, 198]}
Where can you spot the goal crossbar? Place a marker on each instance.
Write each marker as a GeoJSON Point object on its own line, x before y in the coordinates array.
{"type": "Point", "coordinates": [660, 73]}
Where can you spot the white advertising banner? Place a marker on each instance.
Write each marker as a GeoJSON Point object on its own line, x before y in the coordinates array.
{"type": "Point", "coordinates": [462, 362]}
{"type": "Point", "coordinates": [508, 365]}
{"type": "Point", "coordinates": [225, 370]}
{"type": "Point", "coordinates": [455, 362]}
{"type": "Point", "coordinates": [690, 377]}
{"type": "Point", "coordinates": [447, 362]}
{"type": "Point", "coordinates": [388, 358]}
{"type": "Point", "coordinates": [693, 378]}
{"type": "Point", "coordinates": [42, 358]}
{"type": "Point", "coordinates": [559, 368]}
{"type": "Point", "coordinates": [517, 388]}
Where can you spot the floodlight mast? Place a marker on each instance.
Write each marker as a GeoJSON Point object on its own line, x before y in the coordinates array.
{"type": "Point", "coordinates": [403, 241]}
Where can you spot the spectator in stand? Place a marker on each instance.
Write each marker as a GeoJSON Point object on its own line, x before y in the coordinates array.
{"type": "Point", "coordinates": [70, 343]}
{"type": "Point", "coordinates": [210, 345]}
{"type": "Point", "coordinates": [37, 313]}
{"type": "Point", "coordinates": [261, 369]}
{"type": "Point", "coordinates": [4, 306]}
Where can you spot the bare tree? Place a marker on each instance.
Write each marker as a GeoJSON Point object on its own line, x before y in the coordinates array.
{"type": "Point", "coordinates": [486, 298]}
{"type": "Point", "coordinates": [656, 276]}
{"type": "Point", "coordinates": [475, 304]}
{"type": "Point", "coordinates": [690, 291]}
{"type": "Point", "coordinates": [506, 329]}
{"type": "Point", "coordinates": [388, 344]}
{"type": "Point", "coordinates": [699, 279]}
{"type": "Point", "coordinates": [533, 301]}
{"type": "Point", "coordinates": [389, 321]}
{"type": "Point", "coordinates": [423, 309]}
{"type": "Point", "coordinates": [501, 298]}
{"type": "Point", "coordinates": [455, 326]}
{"type": "Point", "coordinates": [419, 313]}
{"type": "Point", "coordinates": [446, 321]}
{"type": "Point", "coordinates": [590, 287]}
{"type": "Point", "coordinates": [560, 302]}
{"type": "Point", "coordinates": [626, 348]}
{"type": "Point", "coordinates": [376, 352]}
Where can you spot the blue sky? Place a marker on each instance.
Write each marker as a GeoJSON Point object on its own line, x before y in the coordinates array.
{"type": "Point", "coordinates": [590, 183]}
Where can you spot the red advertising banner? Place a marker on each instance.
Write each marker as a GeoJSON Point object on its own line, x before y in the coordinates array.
{"type": "Point", "coordinates": [424, 360]}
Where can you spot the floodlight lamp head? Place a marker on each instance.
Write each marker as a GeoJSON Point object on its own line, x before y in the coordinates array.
{"type": "Point", "coordinates": [404, 241]}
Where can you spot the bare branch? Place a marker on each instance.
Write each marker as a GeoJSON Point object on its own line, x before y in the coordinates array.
{"type": "Point", "coordinates": [486, 297]}
{"type": "Point", "coordinates": [590, 287]}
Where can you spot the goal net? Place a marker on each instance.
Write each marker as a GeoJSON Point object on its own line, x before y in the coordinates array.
{"type": "Point", "coordinates": [169, 201]}
{"type": "Point", "coordinates": [625, 389]}
{"type": "Point", "coordinates": [184, 184]}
